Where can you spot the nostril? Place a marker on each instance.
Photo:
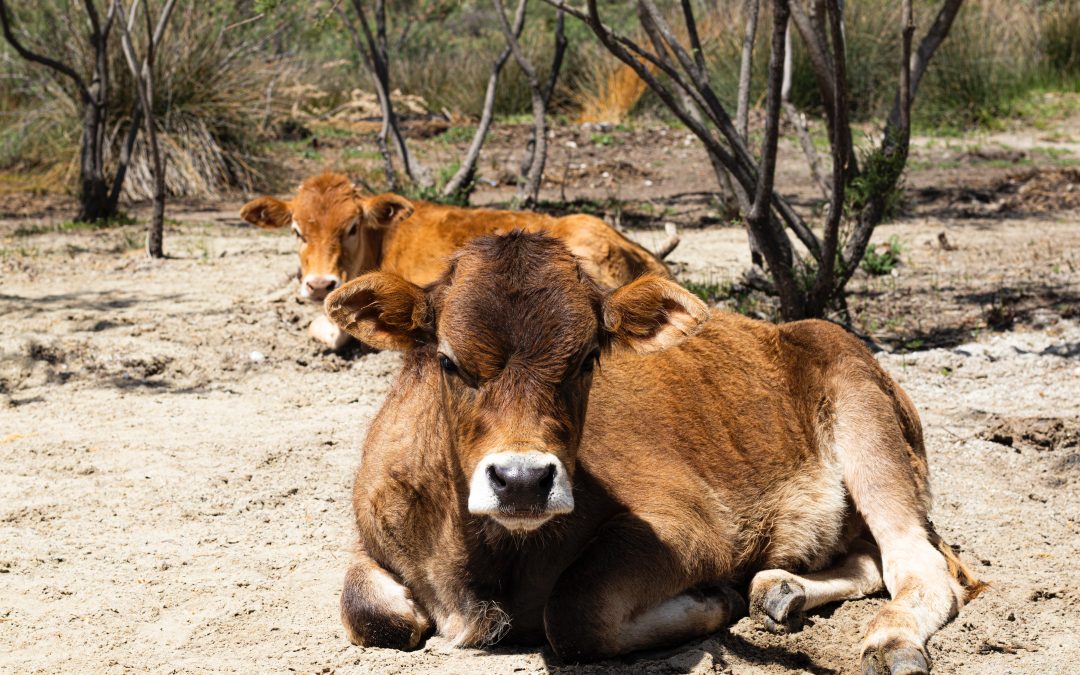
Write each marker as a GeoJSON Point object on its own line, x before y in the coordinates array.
{"type": "Point", "coordinates": [331, 285]}
{"type": "Point", "coordinates": [495, 478]}
{"type": "Point", "coordinates": [548, 480]}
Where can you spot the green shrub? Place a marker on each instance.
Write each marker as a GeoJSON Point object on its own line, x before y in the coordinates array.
{"type": "Point", "coordinates": [882, 259]}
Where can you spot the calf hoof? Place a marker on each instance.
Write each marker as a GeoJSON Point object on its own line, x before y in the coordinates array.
{"type": "Point", "coordinates": [382, 616]}
{"type": "Point", "coordinates": [896, 658]}
{"type": "Point", "coordinates": [779, 609]}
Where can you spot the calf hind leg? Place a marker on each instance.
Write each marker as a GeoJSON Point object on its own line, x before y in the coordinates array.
{"type": "Point", "coordinates": [779, 598]}
{"type": "Point", "coordinates": [879, 444]}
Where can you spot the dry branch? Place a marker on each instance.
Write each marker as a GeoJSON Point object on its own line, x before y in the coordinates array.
{"type": "Point", "coordinates": [670, 243]}
{"type": "Point", "coordinates": [529, 191]}
{"type": "Point", "coordinates": [142, 70]}
{"type": "Point", "coordinates": [467, 171]}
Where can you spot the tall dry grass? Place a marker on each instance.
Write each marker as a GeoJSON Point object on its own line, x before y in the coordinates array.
{"type": "Point", "coordinates": [998, 52]}
{"type": "Point", "coordinates": [209, 107]}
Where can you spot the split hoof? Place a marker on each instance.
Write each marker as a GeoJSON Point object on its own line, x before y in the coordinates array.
{"type": "Point", "coordinates": [897, 658]}
{"type": "Point", "coordinates": [780, 607]}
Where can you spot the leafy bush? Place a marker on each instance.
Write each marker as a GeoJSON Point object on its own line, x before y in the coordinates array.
{"type": "Point", "coordinates": [882, 259]}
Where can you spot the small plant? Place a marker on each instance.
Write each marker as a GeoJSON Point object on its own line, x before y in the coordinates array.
{"type": "Point", "coordinates": [709, 291]}
{"type": "Point", "coordinates": [1000, 315]}
{"type": "Point", "coordinates": [462, 134]}
{"type": "Point", "coordinates": [434, 193]}
{"type": "Point", "coordinates": [604, 139]}
{"type": "Point", "coordinates": [881, 177]}
{"type": "Point", "coordinates": [882, 259]}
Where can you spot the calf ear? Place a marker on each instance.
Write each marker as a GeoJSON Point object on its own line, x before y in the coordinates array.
{"type": "Point", "coordinates": [382, 310]}
{"type": "Point", "coordinates": [267, 212]}
{"type": "Point", "coordinates": [651, 314]}
{"type": "Point", "coordinates": [386, 210]}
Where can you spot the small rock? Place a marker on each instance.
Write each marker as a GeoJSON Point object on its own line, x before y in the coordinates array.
{"type": "Point", "coordinates": [257, 357]}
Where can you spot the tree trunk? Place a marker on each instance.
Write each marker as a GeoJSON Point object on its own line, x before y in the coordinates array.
{"type": "Point", "coordinates": [93, 191]}
{"type": "Point", "coordinates": [125, 155]}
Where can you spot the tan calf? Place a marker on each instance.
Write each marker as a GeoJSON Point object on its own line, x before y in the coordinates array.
{"type": "Point", "coordinates": [610, 471]}
{"type": "Point", "coordinates": [343, 234]}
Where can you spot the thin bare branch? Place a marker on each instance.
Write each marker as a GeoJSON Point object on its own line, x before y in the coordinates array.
{"type": "Point", "coordinates": [63, 68]}
{"type": "Point", "coordinates": [529, 192]}
{"type": "Point", "coordinates": [774, 243]}
{"type": "Point", "coordinates": [746, 67]}
{"type": "Point", "coordinates": [894, 144]}
{"type": "Point", "coordinates": [937, 33]}
{"type": "Point", "coordinates": [670, 243]}
{"type": "Point", "coordinates": [824, 288]}
{"type": "Point", "coordinates": [376, 57]}
{"type": "Point", "coordinates": [467, 170]}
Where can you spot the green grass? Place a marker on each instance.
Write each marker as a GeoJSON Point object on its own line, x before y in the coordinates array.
{"type": "Point", "coordinates": [76, 226]}
{"type": "Point", "coordinates": [883, 259]}
{"type": "Point", "coordinates": [462, 134]}
{"type": "Point", "coordinates": [354, 153]}
{"type": "Point", "coordinates": [19, 252]}
{"type": "Point", "coordinates": [709, 291]}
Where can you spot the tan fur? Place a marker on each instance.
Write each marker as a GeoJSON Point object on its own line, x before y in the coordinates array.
{"type": "Point", "coordinates": [415, 239]}
{"type": "Point", "coordinates": [705, 449]}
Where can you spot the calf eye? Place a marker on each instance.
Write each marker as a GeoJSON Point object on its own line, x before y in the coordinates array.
{"type": "Point", "coordinates": [296, 231]}
{"type": "Point", "coordinates": [351, 231]}
{"type": "Point", "coordinates": [447, 365]}
{"type": "Point", "coordinates": [589, 363]}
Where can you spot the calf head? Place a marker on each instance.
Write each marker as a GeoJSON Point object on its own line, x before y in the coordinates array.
{"type": "Point", "coordinates": [516, 329]}
{"type": "Point", "coordinates": [338, 230]}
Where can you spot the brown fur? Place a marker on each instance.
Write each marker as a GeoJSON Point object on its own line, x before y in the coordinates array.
{"type": "Point", "coordinates": [702, 450]}
{"type": "Point", "coordinates": [415, 239]}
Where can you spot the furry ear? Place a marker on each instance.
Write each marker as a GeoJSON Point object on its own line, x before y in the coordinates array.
{"type": "Point", "coordinates": [386, 210]}
{"type": "Point", "coordinates": [267, 212]}
{"type": "Point", "coordinates": [382, 310]}
{"type": "Point", "coordinates": [651, 314]}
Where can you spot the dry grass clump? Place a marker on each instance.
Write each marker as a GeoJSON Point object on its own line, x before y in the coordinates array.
{"type": "Point", "coordinates": [210, 110]}
{"type": "Point", "coordinates": [606, 92]}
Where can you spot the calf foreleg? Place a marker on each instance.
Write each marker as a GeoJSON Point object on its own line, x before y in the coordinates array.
{"type": "Point", "coordinates": [324, 330]}
{"type": "Point", "coordinates": [378, 610]}
{"type": "Point", "coordinates": [628, 592]}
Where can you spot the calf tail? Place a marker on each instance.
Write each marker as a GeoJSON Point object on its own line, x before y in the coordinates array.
{"type": "Point", "coordinates": [972, 586]}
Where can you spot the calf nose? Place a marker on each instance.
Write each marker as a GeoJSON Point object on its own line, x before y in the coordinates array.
{"type": "Point", "coordinates": [521, 487]}
{"type": "Point", "coordinates": [319, 287]}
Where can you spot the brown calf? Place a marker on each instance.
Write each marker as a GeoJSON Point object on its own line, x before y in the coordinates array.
{"type": "Point", "coordinates": [343, 234]}
{"type": "Point", "coordinates": [600, 469]}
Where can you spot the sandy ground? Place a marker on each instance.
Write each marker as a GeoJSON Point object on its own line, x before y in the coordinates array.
{"type": "Point", "coordinates": [173, 501]}
{"type": "Point", "coordinates": [176, 455]}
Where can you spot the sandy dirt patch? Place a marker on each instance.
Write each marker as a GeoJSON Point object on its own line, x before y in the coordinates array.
{"type": "Point", "coordinates": [177, 456]}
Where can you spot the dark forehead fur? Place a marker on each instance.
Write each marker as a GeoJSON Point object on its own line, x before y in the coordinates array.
{"type": "Point", "coordinates": [518, 301]}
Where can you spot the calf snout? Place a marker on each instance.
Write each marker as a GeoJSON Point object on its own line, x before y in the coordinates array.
{"type": "Point", "coordinates": [316, 287]}
{"type": "Point", "coordinates": [520, 490]}
{"type": "Point", "coordinates": [521, 486]}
